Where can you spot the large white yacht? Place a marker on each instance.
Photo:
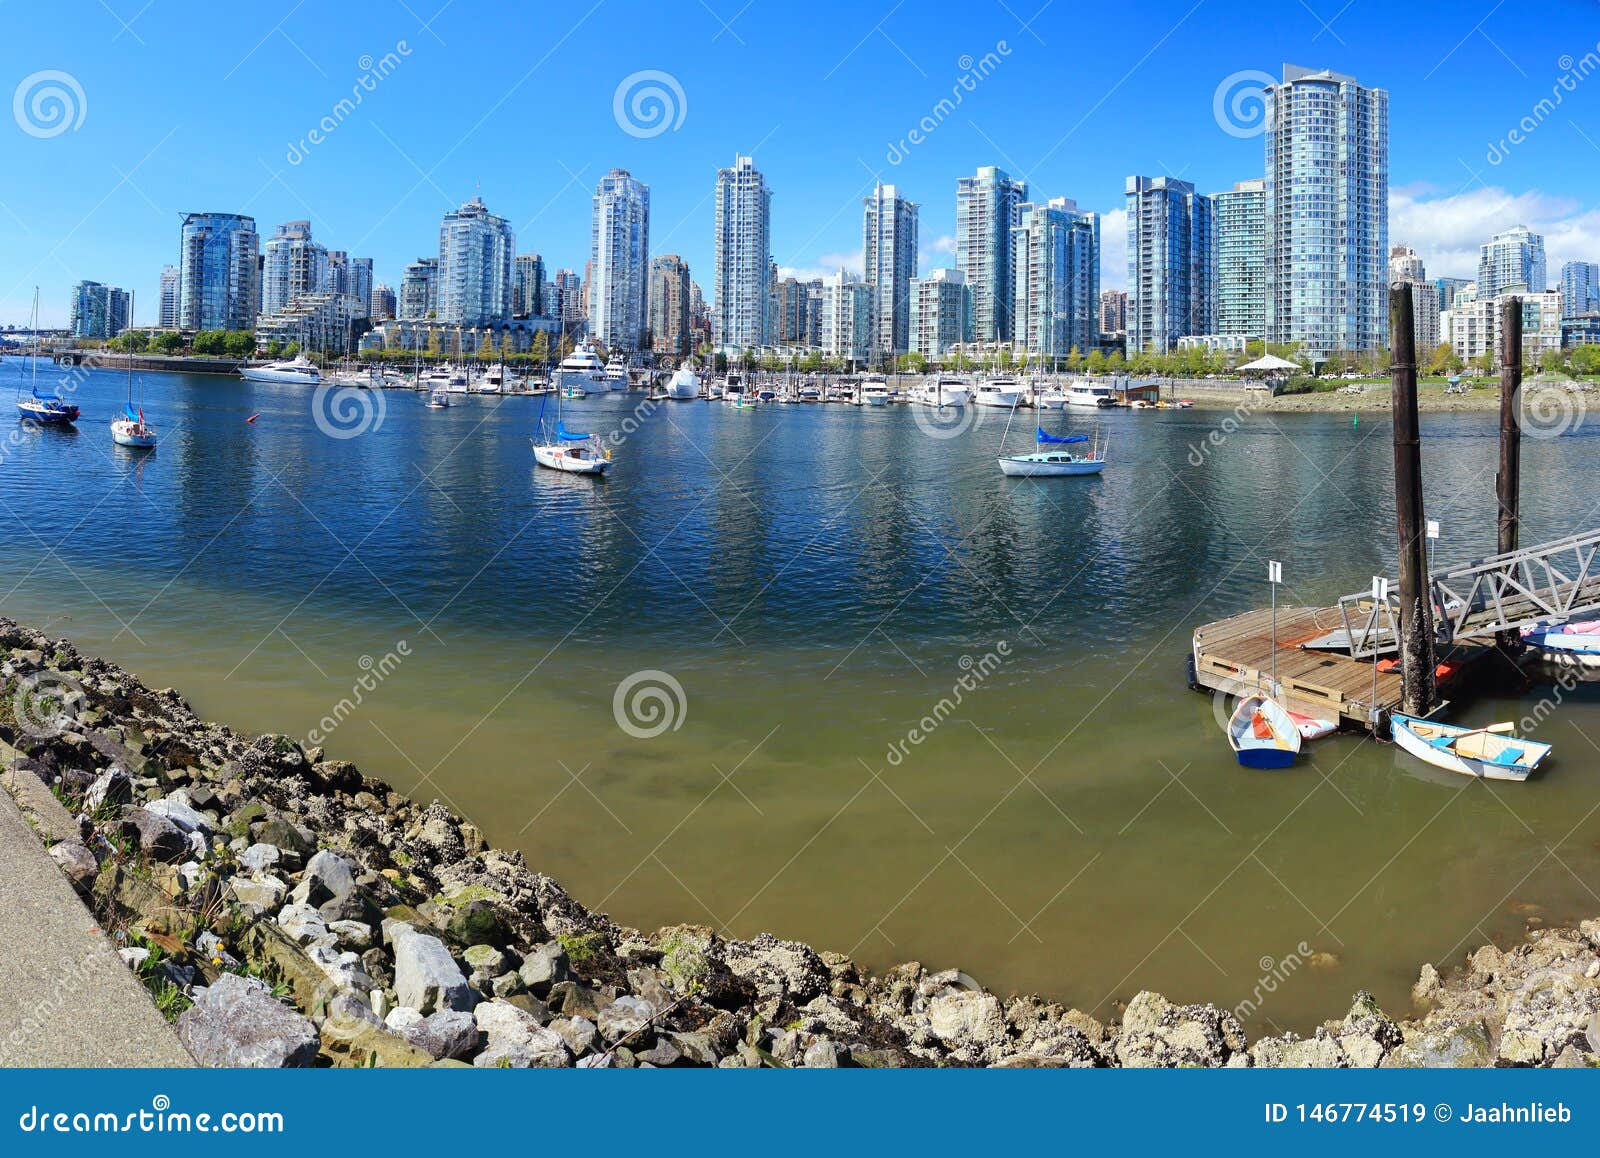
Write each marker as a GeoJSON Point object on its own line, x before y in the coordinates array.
{"type": "Point", "coordinates": [684, 385]}
{"type": "Point", "coordinates": [582, 369]}
{"type": "Point", "coordinates": [939, 391]}
{"type": "Point", "coordinates": [616, 374]}
{"type": "Point", "coordinates": [1088, 392]}
{"type": "Point", "coordinates": [298, 371]}
{"type": "Point", "coordinates": [1004, 393]}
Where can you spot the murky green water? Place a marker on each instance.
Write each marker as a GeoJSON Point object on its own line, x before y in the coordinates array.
{"type": "Point", "coordinates": [817, 580]}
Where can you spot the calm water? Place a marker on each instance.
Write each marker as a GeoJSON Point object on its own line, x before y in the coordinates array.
{"type": "Point", "coordinates": [817, 579]}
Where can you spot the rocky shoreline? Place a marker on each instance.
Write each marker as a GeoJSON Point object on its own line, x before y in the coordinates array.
{"type": "Point", "coordinates": [286, 910]}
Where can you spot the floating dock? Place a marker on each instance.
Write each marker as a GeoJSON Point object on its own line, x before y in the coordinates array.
{"type": "Point", "coordinates": [1234, 656]}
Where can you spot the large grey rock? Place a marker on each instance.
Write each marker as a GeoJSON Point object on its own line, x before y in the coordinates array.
{"type": "Point", "coordinates": [260, 858]}
{"type": "Point", "coordinates": [236, 1022]}
{"type": "Point", "coordinates": [329, 886]}
{"type": "Point", "coordinates": [970, 1023]}
{"type": "Point", "coordinates": [445, 1033]}
{"type": "Point", "coordinates": [426, 977]}
{"type": "Point", "coordinates": [157, 837]}
{"type": "Point", "coordinates": [623, 1016]}
{"type": "Point", "coordinates": [544, 966]}
{"type": "Point", "coordinates": [77, 862]}
{"type": "Point", "coordinates": [302, 922]}
{"type": "Point", "coordinates": [516, 1039]}
{"type": "Point", "coordinates": [183, 814]}
{"type": "Point", "coordinates": [112, 786]}
{"type": "Point", "coordinates": [1156, 1032]}
{"type": "Point", "coordinates": [266, 891]}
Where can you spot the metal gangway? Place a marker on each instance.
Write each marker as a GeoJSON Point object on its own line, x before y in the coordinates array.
{"type": "Point", "coordinates": [1547, 584]}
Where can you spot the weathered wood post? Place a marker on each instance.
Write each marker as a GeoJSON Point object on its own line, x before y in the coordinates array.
{"type": "Point", "coordinates": [1508, 483]}
{"type": "Point", "coordinates": [1419, 687]}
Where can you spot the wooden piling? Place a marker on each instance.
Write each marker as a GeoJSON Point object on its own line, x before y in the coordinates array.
{"type": "Point", "coordinates": [1508, 482]}
{"type": "Point", "coordinates": [1420, 690]}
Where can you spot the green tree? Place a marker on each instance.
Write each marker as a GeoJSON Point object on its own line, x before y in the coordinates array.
{"type": "Point", "coordinates": [1116, 363]}
{"type": "Point", "coordinates": [1585, 360]}
{"type": "Point", "coordinates": [291, 350]}
{"type": "Point", "coordinates": [541, 347]}
{"type": "Point", "coordinates": [274, 348]}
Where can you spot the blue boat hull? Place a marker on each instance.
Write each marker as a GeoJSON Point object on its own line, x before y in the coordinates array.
{"type": "Point", "coordinates": [50, 416]}
{"type": "Point", "coordinates": [1266, 758]}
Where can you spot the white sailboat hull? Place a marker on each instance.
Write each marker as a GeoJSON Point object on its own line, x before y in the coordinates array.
{"type": "Point", "coordinates": [130, 434]}
{"type": "Point", "coordinates": [570, 461]}
{"type": "Point", "coordinates": [1048, 465]}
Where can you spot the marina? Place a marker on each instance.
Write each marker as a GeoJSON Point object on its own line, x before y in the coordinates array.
{"type": "Point", "coordinates": [532, 594]}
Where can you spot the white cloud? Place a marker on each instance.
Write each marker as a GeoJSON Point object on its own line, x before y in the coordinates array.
{"type": "Point", "coordinates": [827, 265]}
{"type": "Point", "coordinates": [1447, 228]}
{"type": "Point", "coordinates": [944, 244]}
{"type": "Point", "coordinates": [1114, 249]}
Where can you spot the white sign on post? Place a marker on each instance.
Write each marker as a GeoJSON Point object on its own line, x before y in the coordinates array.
{"type": "Point", "coordinates": [1380, 588]}
{"type": "Point", "coordinates": [1274, 571]}
{"type": "Point", "coordinates": [1433, 528]}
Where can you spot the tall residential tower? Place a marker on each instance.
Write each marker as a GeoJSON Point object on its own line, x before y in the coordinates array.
{"type": "Point", "coordinates": [619, 262]}
{"type": "Point", "coordinates": [743, 250]}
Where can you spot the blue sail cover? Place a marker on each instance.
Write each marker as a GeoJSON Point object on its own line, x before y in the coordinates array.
{"type": "Point", "coordinates": [1043, 437]}
{"type": "Point", "coordinates": [133, 415]}
{"type": "Point", "coordinates": [566, 435]}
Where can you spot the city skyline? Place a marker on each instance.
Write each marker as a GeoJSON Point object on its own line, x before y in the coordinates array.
{"type": "Point", "coordinates": [120, 179]}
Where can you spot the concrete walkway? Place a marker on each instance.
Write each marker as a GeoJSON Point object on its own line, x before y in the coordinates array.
{"type": "Point", "coordinates": [66, 998]}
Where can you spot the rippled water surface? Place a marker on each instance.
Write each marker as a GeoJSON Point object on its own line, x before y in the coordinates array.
{"type": "Point", "coordinates": [817, 579]}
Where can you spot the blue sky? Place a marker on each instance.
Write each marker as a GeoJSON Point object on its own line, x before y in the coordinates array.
{"type": "Point", "coordinates": [184, 109]}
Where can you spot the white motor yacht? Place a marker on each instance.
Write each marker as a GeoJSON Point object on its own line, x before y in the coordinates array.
{"type": "Point", "coordinates": [297, 371]}
{"type": "Point", "coordinates": [581, 370]}
{"type": "Point", "coordinates": [1003, 393]}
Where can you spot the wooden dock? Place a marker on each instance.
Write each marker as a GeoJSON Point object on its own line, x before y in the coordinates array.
{"type": "Point", "coordinates": [1235, 656]}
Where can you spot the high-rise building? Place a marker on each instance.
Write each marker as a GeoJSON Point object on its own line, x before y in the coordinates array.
{"type": "Point", "coordinates": [1448, 288]}
{"type": "Point", "coordinates": [1406, 266]}
{"type": "Point", "coordinates": [1113, 312]}
{"type": "Point", "coordinates": [889, 242]}
{"type": "Point", "coordinates": [99, 311]}
{"type": "Point", "coordinates": [350, 278]}
{"type": "Point", "coordinates": [1580, 288]}
{"type": "Point", "coordinates": [619, 262]}
{"type": "Point", "coordinates": [168, 311]}
{"type": "Point", "coordinates": [475, 255]}
{"type": "Point", "coordinates": [1056, 275]}
{"type": "Point", "coordinates": [940, 305]}
{"type": "Point", "coordinates": [1327, 212]}
{"type": "Point", "coordinates": [293, 263]}
{"type": "Point", "coordinates": [219, 284]}
{"type": "Point", "coordinates": [847, 317]}
{"type": "Point", "coordinates": [986, 213]}
{"type": "Point", "coordinates": [1472, 327]}
{"type": "Point", "coordinates": [1170, 254]}
{"type": "Point", "coordinates": [814, 300]}
{"type": "Point", "coordinates": [1239, 223]}
{"type": "Point", "coordinates": [1509, 260]}
{"type": "Point", "coordinates": [419, 290]}
{"type": "Point", "coordinates": [743, 252]}
{"type": "Point", "coordinates": [793, 313]}
{"type": "Point", "coordinates": [527, 287]}
{"type": "Point", "coordinates": [564, 299]}
{"type": "Point", "coordinates": [382, 305]}
{"type": "Point", "coordinates": [671, 306]}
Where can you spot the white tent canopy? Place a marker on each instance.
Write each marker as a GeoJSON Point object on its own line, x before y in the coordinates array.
{"type": "Point", "coordinates": [1269, 363]}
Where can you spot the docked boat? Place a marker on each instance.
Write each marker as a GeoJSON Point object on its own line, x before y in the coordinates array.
{"type": "Point", "coordinates": [684, 385]}
{"type": "Point", "coordinates": [581, 370]}
{"type": "Point", "coordinates": [1001, 393]}
{"type": "Point", "coordinates": [940, 391]}
{"type": "Point", "coordinates": [1575, 645]}
{"type": "Point", "coordinates": [1050, 458]}
{"type": "Point", "coordinates": [1086, 392]}
{"type": "Point", "coordinates": [48, 408]}
{"type": "Point", "coordinates": [296, 371]}
{"type": "Point", "coordinates": [616, 373]}
{"type": "Point", "coordinates": [567, 450]}
{"type": "Point", "coordinates": [1492, 753]}
{"type": "Point", "coordinates": [438, 398]}
{"type": "Point", "coordinates": [132, 431]}
{"type": "Point", "coordinates": [1263, 734]}
{"type": "Point", "coordinates": [874, 392]}
{"type": "Point", "coordinates": [810, 392]}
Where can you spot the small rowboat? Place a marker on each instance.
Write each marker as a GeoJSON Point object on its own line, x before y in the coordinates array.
{"type": "Point", "coordinates": [1492, 753]}
{"type": "Point", "coordinates": [1566, 647]}
{"type": "Point", "coordinates": [1263, 734]}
